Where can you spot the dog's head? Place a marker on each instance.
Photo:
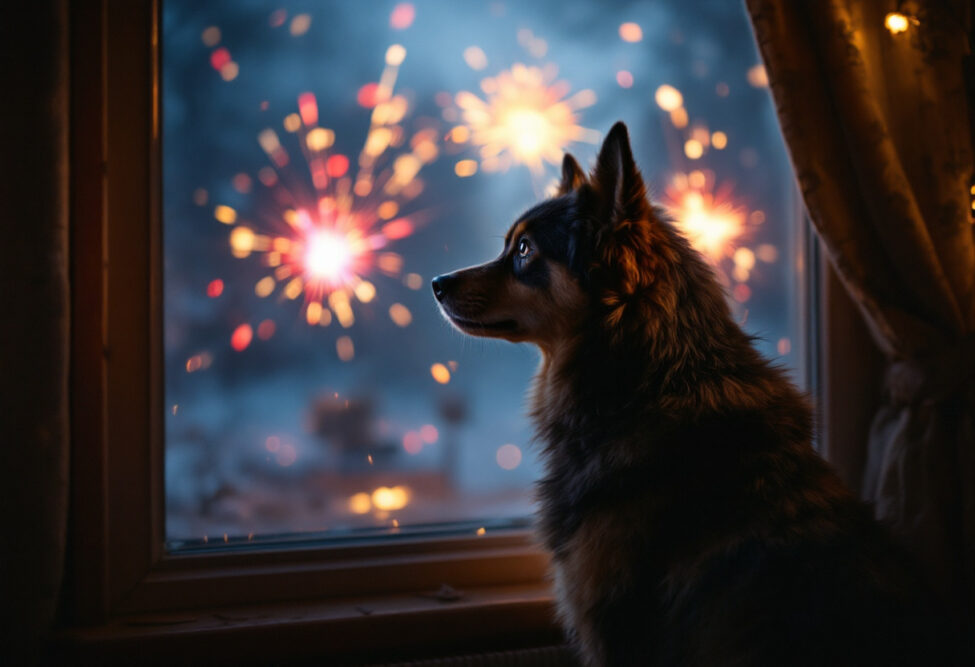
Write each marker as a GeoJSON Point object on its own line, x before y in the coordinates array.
{"type": "Point", "coordinates": [585, 251]}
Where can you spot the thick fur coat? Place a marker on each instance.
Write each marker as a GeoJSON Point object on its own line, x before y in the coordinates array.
{"type": "Point", "coordinates": [689, 520]}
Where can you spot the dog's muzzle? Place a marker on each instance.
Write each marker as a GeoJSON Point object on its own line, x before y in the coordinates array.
{"type": "Point", "coordinates": [440, 285]}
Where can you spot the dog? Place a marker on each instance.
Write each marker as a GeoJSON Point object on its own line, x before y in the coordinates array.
{"type": "Point", "coordinates": [689, 520]}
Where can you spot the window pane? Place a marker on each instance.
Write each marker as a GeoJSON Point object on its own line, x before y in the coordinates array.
{"type": "Point", "coordinates": [324, 160]}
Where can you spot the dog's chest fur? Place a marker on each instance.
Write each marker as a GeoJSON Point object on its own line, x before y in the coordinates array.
{"type": "Point", "coordinates": [689, 541]}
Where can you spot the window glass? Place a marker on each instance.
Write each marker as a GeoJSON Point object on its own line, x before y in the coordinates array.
{"type": "Point", "coordinates": [322, 161]}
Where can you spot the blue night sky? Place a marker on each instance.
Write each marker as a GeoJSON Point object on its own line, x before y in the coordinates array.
{"type": "Point", "coordinates": [221, 473]}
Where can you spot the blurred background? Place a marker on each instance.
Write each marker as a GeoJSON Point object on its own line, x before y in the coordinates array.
{"type": "Point", "coordinates": [322, 161]}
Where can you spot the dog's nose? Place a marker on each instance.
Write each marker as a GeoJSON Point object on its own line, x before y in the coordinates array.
{"type": "Point", "coordinates": [440, 284]}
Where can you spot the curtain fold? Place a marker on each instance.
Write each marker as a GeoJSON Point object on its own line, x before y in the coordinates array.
{"type": "Point", "coordinates": [34, 334]}
{"type": "Point", "coordinates": [877, 125]}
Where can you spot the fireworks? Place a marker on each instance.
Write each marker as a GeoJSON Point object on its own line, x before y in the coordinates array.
{"type": "Point", "coordinates": [325, 241]}
{"type": "Point", "coordinates": [718, 227]}
{"type": "Point", "coordinates": [525, 117]}
{"type": "Point", "coordinates": [712, 222]}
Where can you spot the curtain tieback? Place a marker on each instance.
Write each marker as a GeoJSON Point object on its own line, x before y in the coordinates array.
{"type": "Point", "coordinates": [932, 378]}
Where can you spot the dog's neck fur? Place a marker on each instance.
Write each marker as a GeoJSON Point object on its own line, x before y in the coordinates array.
{"type": "Point", "coordinates": [688, 356]}
{"type": "Point", "coordinates": [621, 405]}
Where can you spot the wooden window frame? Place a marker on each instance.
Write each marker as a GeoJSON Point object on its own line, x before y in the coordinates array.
{"type": "Point", "coordinates": [124, 593]}
{"type": "Point", "coordinates": [123, 589]}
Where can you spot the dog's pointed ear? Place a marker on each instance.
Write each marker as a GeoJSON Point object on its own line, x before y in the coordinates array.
{"type": "Point", "coordinates": [572, 175]}
{"type": "Point", "coordinates": [619, 187]}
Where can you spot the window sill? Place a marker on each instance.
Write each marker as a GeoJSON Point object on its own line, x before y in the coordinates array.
{"type": "Point", "coordinates": [355, 629]}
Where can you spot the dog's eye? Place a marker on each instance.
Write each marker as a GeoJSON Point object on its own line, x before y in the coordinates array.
{"type": "Point", "coordinates": [524, 248]}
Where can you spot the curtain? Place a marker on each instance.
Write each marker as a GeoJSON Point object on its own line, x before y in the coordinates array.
{"type": "Point", "coordinates": [878, 127]}
{"type": "Point", "coordinates": [34, 321]}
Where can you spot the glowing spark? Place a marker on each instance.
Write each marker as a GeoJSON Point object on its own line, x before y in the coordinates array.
{"type": "Point", "coordinates": [475, 58]}
{"type": "Point", "coordinates": [440, 373]}
{"type": "Point", "coordinates": [286, 455]}
{"type": "Point", "coordinates": [390, 498]}
{"type": "Point", "coordinates": [344, 348]}
{"type": "Point", "coordinates": [767, 252]}
{"type": "Point", "coordinates": [480, 531]}
{"type": "Point", "coordinates": [241, 337]}
{"type": "Point", "coordinates": [402, 16]}
{"type": "Point", "coordinates": [757, 76]}
{"type": "Point", "coordinates": [219, 58]}
{"type": "Point", "coordinates": [300, 24]}
{"type": "Point", "coordinates": [211, 36]}
{"type": "Point", "coordinates": [400, 315]}
{"type": "Point", "coordinates": [365, 291]}
{"type": "Point", "coordinates": [230, 71]}
{"type": "Point", "coordinates": [508, 456]}
{"type": "Point", "coordinates": [465, 168]}
{"type": "Point", "coordinates": [693, 149]}
{"type": "Point", "coordinates": [624, 79]}
{"type": "Point", "coordinates": [268, 139]}
{"type": "Point", "coordinates": [536, 47]}
{"type": "Point", "coordinates": [668, 98]}
{"type": "Point", "coordinates": [313, 313]}
{"type": "Point", "coordinates": [525, 118]}
{"type": "Point", "coordinates": [265, 286]}
{"type": "Point", "coordinates": [242, 183]}
{"type": "Point", "coordinates": [308, 108]}
{"type": "Point", "coordinates": [225, 214]}
{"type": "Point", "coordinates": [266, 329]}
{"type": "Point", "coordinates": [784, 346]}
{"type": "Point", "coordinates": [198, 362]}
{"type": "Point", "coordinates": [360, 503]}
{"type": "Point", "coordinates": [719, 140]}
{"type": "Point", "coordinates": [412, 442]}
{"type": "Point", "coordinates": [395, 55]}
{"type": "Point", "coordinates": [745, 258]}
{"type": "Point", "coordinates": [277, 18]}
{"type": "Point", "coordinates": [678, 117]}
{"type": "Point", "coordinates": [242, 241]}
{"type": "Point", "coordinates": [631, 32]}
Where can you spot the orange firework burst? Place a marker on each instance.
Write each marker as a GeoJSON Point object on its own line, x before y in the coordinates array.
{"type": "Point", "coordinates": [524, 118]}
{"type": "Point", "coordinates": [333, 235]}
{"type": "Point", "coordinates": [711, 221]}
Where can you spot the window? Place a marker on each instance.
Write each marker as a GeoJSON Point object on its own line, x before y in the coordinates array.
{"type": "Point", "coordinates": [323, 161]}
{"type": "Point", "coordinates": [315, 596]}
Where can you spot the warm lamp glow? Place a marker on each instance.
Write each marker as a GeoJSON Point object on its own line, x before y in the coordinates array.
{"type": "Point", "coordinates": [896, 22]}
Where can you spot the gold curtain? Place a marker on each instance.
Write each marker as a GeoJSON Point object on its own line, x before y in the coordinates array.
{"type": "Point", "coordinates": [878, 127]}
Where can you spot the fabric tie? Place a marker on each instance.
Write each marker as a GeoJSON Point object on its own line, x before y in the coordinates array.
{"type": "Point", "coordinates": [932, 378]}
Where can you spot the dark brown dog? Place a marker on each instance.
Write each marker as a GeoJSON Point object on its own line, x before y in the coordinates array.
{"type": "Point", "coordinates": [689, 519]}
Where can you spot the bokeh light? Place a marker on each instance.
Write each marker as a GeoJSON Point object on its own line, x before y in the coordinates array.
{"type": "Point", "coordinates": [508, 456]}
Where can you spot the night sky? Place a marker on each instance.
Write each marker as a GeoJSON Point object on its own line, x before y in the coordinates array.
{"type": "Point", "coordinates": [245, 451]}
